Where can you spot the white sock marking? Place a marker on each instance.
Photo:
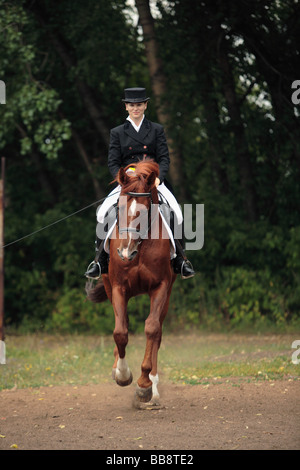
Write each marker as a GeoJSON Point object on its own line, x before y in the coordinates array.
{"type": "Point", "coordinates": [122, 370]}
{"type": "Point", "coordinates": [154, 380]}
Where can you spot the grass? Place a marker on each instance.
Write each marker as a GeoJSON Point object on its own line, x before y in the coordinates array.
{"type": "Point", "coordinates": [40, 360]}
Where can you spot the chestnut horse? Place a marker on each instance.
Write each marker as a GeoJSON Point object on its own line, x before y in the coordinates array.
{"type": "Point", "coordinates": [138, 265]}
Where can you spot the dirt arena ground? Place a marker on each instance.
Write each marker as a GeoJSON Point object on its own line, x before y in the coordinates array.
{"type": "Point", "coordinates": [230, 415]}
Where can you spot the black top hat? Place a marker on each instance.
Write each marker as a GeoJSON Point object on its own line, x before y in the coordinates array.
{"type": "Point", "coordinates": [135, 95]}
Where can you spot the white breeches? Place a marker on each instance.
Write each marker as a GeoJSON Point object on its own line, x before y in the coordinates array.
{"type": "Point", "coordinates": [113, 197]}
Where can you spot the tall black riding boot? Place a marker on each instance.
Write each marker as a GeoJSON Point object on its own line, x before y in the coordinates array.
{"type": "Point", "coordinates": [181, 264]}
{"type": "Point", "coordinates": [100, 264]}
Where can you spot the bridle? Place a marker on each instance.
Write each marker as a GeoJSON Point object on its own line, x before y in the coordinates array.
{"type": "Point", "coordinates": [134, 229]}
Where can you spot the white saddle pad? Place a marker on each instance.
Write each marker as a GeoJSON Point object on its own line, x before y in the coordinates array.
{"type": "Point", "coordinates": [113, 197]}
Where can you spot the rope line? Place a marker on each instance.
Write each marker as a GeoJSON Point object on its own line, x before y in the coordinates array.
{"type": "Point", "coordinates": [54, 223]}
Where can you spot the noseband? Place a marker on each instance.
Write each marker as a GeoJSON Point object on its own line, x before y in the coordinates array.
{"type": "Point", "coordinates": [133, 229]}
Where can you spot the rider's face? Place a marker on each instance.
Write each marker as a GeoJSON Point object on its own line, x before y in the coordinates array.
{"type": "Point", "coordinates": [136, 110]}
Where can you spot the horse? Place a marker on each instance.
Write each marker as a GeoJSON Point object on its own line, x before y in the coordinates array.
{"type": "Point", "coordinates": [138, 264]}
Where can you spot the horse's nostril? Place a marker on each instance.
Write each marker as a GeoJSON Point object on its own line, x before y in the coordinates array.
{"type": "Point", "coordinates": [120, 254]}
{"type": "Point", "coordinates": [133, 254]}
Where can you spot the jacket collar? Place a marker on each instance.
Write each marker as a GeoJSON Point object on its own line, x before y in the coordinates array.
{"type": "Point", "coordinates": [139, 136]}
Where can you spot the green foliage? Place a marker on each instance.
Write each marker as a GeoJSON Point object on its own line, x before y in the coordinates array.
{"type": "Point", "coordinates": [292, 250]}
{"type": "Point", "coordinates": [246, 297]}
{"type": "Point", "coordinates": [74, 313]}
{"type": "Point", "coordinates": [32, 105]}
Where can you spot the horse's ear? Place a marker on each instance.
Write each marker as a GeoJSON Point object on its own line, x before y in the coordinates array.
{"type": "Point", "coordinates": [122, 177]}
{"type": "Point", "coordinates": [151, 179]}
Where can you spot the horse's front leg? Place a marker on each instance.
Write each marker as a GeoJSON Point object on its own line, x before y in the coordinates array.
{"type": "Point", "coordinates": [148, 381]}
{"type": "Point", "coordinates": [121, 372]}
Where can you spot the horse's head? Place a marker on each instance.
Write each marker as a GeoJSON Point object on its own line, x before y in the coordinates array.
{"type": "Point", "coordinates": [137, 193]}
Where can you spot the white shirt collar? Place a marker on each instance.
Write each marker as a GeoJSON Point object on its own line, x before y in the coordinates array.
{"type": "Point", "coordinates": [137, 128]}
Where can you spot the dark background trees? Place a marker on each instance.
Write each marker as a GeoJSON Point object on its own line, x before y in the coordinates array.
{"type": "Point", "coordinates": [219, 73]}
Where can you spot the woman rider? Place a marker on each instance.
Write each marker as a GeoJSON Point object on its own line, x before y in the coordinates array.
{"type": "Point", "coordinates": [136, 139]}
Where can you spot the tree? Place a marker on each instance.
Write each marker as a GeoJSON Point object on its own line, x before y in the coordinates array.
{"type": "Point", "coordinates": [159, 83]}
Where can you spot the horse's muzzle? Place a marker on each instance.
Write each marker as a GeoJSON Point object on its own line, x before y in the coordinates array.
{"type": "Point", "coordinates": [124, 255]}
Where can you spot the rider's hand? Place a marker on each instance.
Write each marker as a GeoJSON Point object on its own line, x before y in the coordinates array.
{"type": "Point", "coordinates": [157, 182]}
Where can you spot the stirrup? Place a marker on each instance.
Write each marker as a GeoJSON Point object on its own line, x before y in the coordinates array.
{"type": "Point", "coordinates": [190, 266]}
{"type": "Point", "coordinates": [89, 267]}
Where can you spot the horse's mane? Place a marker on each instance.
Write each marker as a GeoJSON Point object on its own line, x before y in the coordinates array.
{"type": "Point", "coordinates": [137, 178]}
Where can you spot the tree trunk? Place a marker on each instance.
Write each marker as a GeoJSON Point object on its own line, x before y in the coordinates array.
{"type": "Point", "coordinates": [276, 64]}
{"type": "Point", "coordinates": [242, 153]}
{"type": "Point", "coordinates": [81, 149]}
{"type": "Point", "coordinates": [159, 87]}
{"type": "Point", "coordinates": [99, 193]}
{"type": "Point", "coordinates": [280, 92]}
{"type": "Point", "coordinates": [217, 159]}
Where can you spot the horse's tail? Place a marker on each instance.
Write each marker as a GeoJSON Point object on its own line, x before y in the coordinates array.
{"type": "Point", "coordinates": [96, 294]}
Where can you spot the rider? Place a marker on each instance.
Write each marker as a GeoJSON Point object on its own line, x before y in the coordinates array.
{"type": "Point", "coordinates": [130, 142]}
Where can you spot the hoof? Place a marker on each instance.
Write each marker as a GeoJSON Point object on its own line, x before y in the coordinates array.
{"type": "Point", "coordinates": [155, 401]}
{"type": "Point", "coordinates": [143, 394]}
{"type": "Point", "coordinates": [143, 401]}
{"type": "Point", "coordinates": [124, 383]}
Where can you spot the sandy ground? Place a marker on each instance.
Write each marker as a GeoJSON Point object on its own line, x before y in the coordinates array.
{"type": "Point", "coordinates": [229, 415]}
